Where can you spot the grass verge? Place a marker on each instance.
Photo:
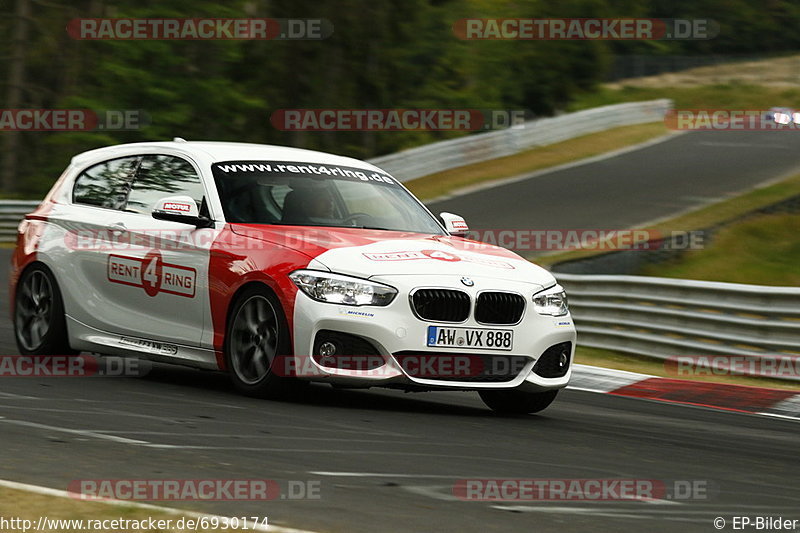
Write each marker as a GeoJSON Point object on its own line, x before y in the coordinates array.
{"type": "Point", "coordinates": [704, 217]}
{"type": "Point", "coordinates": [29, 506]}
{"type": "Point", "coordinates": [441, 183]}
{"type": "Point", "coordinates": [763, 250]}
{"type": "Point", "coordinates": [714, 96]}
{"type": "Point", "coordinates": [656, 367]}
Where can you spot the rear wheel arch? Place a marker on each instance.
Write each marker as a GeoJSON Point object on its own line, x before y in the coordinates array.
{"type": "Point", "coordinates": [56, 340]}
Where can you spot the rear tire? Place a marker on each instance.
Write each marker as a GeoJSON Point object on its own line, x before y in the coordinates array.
{"type": "Point", "coordinates": [257, 334]}
{"type": "Point", "coordinates": [40, 325]}
{"type": "Point", "coordinates": [517, 402]}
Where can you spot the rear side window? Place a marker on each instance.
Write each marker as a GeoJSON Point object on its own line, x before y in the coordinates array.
{"type": "Point", "coordinates": [163, 175]}
{"type": "Point", "coordinates": [105, 184]}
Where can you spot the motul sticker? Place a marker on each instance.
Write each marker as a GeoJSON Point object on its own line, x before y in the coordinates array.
{"type": "Point", "coordinates": [438, 255]}
{"type": "Point", "coordinates": [152, 274]}
{"type": "Point", "coordinates": [175, 206]}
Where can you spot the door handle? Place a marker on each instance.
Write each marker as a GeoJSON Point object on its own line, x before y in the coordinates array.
{"type": "Point", "coordinates": [118, 226]}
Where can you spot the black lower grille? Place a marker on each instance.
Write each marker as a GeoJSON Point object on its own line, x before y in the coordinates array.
{"type": "Point", "coordinates": [554, 362]}
{"type": "Point", "coordinates": [441, 305]}
{"type": "Point", "coordinates": [499, 308]}
{"type": "Point", "coordinates": [474, 368]}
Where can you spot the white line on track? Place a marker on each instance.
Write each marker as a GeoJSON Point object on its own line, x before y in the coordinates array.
{"type": "Point", "coordinates": [47, 491]}
{"type": "Point", "coordinates": [10, 396]}
{"type": "Point", "coordinates": [81, 432]}
{"type": "Point", "coordinates": [745, 145]}
{"type": "Point", "coordinates": [599, 511]}
{"type": "Point", "coordinates": [377, 474]}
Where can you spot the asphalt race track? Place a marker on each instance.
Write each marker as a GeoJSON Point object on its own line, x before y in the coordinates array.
{"type": "Point", "coordinates": [388, 460]}
{"type": "Point", "coordinates": [683, 172]}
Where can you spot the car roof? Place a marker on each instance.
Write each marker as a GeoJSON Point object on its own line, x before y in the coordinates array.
{"type": "Point", "coordinates": [224, 151]}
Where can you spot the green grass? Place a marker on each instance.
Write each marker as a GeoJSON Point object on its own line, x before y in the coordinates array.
{"type": "Point", "coordinates": [704, 217]}
{"type": "Point", "coordinates": [763, 251]}
{"type": "Point", "coordinates": [28, 506]}
{"type": "Point", "coordinates": [656, 367]}
{"type": "Point", "coordinates": [728, 96]}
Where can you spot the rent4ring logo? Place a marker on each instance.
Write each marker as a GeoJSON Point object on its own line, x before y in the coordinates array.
{"type": "Point", "coordinates": [152, 274]}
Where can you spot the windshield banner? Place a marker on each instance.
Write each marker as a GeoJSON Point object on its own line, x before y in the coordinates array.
{"type": "Point", "coordinates": [296, 169]}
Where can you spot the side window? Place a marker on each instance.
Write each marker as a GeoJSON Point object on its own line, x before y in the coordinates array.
{"type": "Point", "coordinates": [164, 175]}
{"type": "Point", "coordinates": [105, 184]}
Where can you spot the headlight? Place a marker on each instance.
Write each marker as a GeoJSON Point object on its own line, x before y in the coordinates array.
{"type": "Point", "coordinates": [552, 301]}
{"type": "Point", "coordinates": [339, 289]}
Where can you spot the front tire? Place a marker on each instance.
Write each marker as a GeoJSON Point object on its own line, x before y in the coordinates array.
{"type": "Point", "coordinates": [516, 401]}
{"type": "Point", "coordinates": [40, 325]}
{"type": "Point", "coordinates": [257, 335]}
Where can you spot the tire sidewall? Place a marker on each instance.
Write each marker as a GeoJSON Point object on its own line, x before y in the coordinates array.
{"type": "Point", "coordinates": [271, 385]}
{"type": "Point", "coordinates": [56, 341]}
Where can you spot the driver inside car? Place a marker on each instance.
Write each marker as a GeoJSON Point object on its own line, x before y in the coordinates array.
{"type": "Point", "coordinates": [307, 204]}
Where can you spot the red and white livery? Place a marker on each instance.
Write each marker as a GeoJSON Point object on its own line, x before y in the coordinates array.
{"type": "Point", "coordinates": [282, 266]}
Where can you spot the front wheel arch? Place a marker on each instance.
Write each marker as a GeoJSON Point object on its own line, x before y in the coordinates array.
{"type": "Point", "coordinates": [272, 385]}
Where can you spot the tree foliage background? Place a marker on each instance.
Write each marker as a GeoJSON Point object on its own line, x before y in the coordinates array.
{"type": "Point", "coordinates": [382, 54]}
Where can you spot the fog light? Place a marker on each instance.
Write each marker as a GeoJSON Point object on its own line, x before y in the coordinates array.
{"type": "Point", "coordinates": [563, 359]}
{"type": "Point", "coordinates": [327, 349]}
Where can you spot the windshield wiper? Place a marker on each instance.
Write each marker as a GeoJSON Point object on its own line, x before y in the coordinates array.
{"type": "Point", "coordinates": [375, 227]}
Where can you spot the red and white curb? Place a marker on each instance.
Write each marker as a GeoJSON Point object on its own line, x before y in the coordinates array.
{"type": "Point", "coordinates": [728, 397]}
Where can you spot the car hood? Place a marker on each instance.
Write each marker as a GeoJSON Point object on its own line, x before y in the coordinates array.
{"type": "Point", "coordinates": [375, 253]}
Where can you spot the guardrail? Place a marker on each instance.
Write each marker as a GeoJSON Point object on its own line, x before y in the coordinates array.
{"type": "Point", "coordinates": [437, 157]}
{"type": "Point", "coordinates": [444, 155]}
{"type": "Point", "coordinates": [11, 212]}
{"type": "Point", "coordinates": [665, 318]}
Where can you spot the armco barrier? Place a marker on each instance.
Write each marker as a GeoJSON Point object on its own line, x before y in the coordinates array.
{"type": "Point", "coordinates": [663, 317]}
{"type": "Point", "coordinates": [444, 155]}
{"type": "Point", "coordinates": [436, 157]}
{"type": "Point", "coordinates": [11, 212]}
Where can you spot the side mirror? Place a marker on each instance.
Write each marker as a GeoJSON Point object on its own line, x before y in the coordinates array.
{"type": "Point", "coordinates": [180, 209]}
{"type": "Point", "coordinates": [454, 224]}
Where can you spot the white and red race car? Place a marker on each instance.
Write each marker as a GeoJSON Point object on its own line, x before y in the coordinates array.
{"type": "Point", "coordinates": [281, 266]}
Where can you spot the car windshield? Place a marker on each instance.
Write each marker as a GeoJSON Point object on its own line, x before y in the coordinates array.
{"type": "Point", "coordinates": [314, 194]}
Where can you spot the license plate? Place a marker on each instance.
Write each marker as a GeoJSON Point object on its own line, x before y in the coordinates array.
{"type": "Point", "coordinates": [486, 339]}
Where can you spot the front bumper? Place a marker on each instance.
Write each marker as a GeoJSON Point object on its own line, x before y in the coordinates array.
{"type": "Point", "coordinates": [394, 331]}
